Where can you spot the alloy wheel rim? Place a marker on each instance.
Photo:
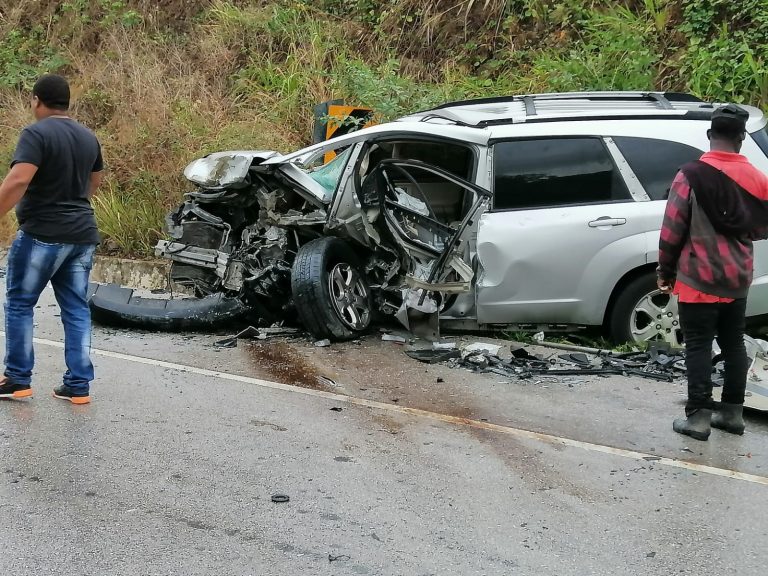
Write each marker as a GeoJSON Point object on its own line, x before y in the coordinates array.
{"type": "Point", "coordinates": [656, 317]}
{"type": "Point", "coordinates": [349, 295]}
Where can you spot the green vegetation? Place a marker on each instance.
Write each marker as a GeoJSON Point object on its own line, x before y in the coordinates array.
{"type": "Point", "coordinates": [164, 82]}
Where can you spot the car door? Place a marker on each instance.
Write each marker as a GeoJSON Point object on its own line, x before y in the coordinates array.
{"type": "Point", "coordinates": [564, 226]}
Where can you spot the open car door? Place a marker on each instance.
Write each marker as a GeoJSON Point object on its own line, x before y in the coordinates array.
{"type": "Point", "coordinates": [433, 247]}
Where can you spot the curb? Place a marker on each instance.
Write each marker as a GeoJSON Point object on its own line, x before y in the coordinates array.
{"type": "Point", "coordinates": [143, 274]}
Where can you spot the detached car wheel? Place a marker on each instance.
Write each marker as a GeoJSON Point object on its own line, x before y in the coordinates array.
{"type": "Point", "coordinates": [643, 314]}
{"type": "Point", "coordinates": [332, 298]}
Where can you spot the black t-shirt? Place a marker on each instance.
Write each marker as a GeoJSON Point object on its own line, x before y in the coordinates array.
{"type": "Point", "coordinates": [56, 207]}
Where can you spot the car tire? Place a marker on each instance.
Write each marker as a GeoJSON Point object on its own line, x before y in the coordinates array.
{"type": "Point", "coordinates": [332, 298]}
{"type": "Point", "coordinates": [642, 313]}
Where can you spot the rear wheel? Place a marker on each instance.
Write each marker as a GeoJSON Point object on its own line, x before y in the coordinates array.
{"type": "Point", "coordinates": [331, 295]}
{"type": "Point", "coordinates": [642, 313]}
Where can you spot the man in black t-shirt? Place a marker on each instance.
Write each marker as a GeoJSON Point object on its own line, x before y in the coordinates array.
{"type": "Point", "coordinates": [56, 169]}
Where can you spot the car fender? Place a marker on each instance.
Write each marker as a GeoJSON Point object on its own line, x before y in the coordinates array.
{"type": "Point", "coordinates": [604, 272]}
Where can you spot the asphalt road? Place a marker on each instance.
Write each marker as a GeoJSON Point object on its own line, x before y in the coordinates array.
{"type": "Point", "coordinates": [392, 468]}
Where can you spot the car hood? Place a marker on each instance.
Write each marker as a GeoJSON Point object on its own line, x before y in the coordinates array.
{"type": "Point", "coordinates": [224, 169]}
{"type": "Point", "coordinates": [231, 168]}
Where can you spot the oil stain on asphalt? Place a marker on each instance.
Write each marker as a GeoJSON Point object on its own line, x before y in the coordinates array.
{"type": "Point", "coordinates": [285, 365]}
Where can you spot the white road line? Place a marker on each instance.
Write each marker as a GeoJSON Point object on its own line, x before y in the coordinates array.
{"type": "Point", "coordinates": [507, 430]}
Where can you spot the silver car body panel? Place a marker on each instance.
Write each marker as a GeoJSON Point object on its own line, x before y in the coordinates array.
{"type": "Point", "coordinates": [529, 275]}
{"type": "Point", "coordinates": [548, 265]}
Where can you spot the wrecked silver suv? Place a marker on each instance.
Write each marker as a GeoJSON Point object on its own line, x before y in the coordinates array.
{"type": "Point", "coordinates": [522, 212]}
{"type": "Point", "coordinates": [370, 233]}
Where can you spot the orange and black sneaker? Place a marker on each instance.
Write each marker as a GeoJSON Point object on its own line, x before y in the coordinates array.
{"type": "Point", "coordinates": [9, 389]}
{"type": "Point", "coordinates": [64, 392]}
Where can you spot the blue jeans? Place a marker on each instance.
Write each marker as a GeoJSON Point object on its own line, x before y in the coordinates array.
{"type": "Point", "coordinates": [31, 265]}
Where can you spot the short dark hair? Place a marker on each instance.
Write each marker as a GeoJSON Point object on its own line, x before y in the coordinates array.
{"type": "Point", "coordinates": [729, 122]}
{"type": "Point", "coordinates": [53, 91]}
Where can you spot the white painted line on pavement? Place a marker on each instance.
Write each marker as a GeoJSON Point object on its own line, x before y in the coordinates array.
{"type": "Point", "coordinates": [507, 430]}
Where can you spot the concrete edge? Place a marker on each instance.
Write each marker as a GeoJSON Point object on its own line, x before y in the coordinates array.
{"type": "Point", "coordinates": [141, 274]}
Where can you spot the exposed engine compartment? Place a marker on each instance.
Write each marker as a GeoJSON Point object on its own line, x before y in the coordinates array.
{"type": "Point", "coordinates": [250, 231]}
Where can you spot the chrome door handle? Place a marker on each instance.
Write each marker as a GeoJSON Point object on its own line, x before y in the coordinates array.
{"type": "Point", "coordinates": [607, 221]}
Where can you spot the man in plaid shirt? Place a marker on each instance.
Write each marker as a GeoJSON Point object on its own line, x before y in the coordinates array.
{"type": "Point", "coordinates": [717, 206]}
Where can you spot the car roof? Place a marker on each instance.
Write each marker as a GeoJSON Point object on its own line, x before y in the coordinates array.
{"type": "Point", "coordinates": [485, 112]}
{"type": "Point", "coordinates": [458, 132]}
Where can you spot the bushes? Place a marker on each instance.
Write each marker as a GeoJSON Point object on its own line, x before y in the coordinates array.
{"type": "Point", "coordinates": [727, 57]}
{"type": "Point", "coordinates": [24, 55]}
{"type": "Point", "coordinates": [131, 214]}
{"type": "Point", "coordinates": [614, 50]}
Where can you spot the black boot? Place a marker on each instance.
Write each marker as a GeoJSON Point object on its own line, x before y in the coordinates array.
{"type": "Point", "coordinates": [729, 418]}
{"type": "Point", "coordinates": [696, 425]}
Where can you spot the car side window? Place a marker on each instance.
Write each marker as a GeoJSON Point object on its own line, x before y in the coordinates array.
{"type": "Point", "coordinates": [548, 172]}
{"type": "Point", "coordinates": [655, 162]}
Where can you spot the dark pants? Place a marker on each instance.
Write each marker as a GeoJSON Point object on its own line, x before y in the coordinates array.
{"type": "Point", "coordinates": [700, 323]}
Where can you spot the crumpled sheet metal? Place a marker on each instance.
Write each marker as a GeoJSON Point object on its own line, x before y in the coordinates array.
{"type": "Point", "coordinates": [422, 319]}
{"type": "Point", "coordinates": [223, 169]}
{"type": "Point", "coordinates": [757, 384]}
{"type": "Point", "coordinates": [757, 378]}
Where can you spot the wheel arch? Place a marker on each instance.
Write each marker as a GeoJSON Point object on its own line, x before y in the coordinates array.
{"type": "Point", "coordinates": [623, 282]}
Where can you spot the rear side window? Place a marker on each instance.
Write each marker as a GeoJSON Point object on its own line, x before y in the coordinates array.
{"type": "Point", "coordinates": [554, 172]}
{"type": "Point", "coordinates": [655, 162]}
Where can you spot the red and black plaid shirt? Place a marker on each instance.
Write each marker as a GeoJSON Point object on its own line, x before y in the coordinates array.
{"type": "Point", "coordinates": [692, 251]}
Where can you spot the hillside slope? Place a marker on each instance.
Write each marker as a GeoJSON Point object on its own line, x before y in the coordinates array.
{"type": "Point", "coordinates": [165, 81]}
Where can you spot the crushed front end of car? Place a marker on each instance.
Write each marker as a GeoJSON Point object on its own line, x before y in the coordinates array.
{"type": "Point", "coordinates": [331, 246]}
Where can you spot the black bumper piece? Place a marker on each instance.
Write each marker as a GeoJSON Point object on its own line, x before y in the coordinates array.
{"type": "Point", "coordinates": [113, 305]}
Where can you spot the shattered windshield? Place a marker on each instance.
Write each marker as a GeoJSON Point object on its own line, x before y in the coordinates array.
{"type": "Point", "coordinates": [329, 174]}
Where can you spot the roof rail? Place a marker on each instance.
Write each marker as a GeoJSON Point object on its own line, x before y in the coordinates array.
{"type": "Point", "coordinates": [530, 105]}
{"type": "Point", "coordinates": [444, 115]}
{"type": "Point", "coordinates": [663, 99]}
{"type": "Point", "coordinates": [682, 97]}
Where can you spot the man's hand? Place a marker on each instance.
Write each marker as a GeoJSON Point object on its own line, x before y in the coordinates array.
{"type": "Point", "coordinates": [664, 285]}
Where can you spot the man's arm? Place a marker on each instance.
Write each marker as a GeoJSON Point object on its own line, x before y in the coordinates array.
{"type": "Point", "coordinates": [96, 179]}
{"type": "Point", "coordinates": [15, 185]}
{"type": "Point", "coordinates": [674, 231]}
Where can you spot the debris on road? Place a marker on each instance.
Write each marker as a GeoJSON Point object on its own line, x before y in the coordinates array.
{"type": "Point", "coordinates": [280, 498]}
{"type": "Point", "coordinates": [480, 348]}
{"type": "Point", "coordinates": [114, 305]}
{"type": "Point", "coordinates": [539, 339]}
{"type": "Point", "coordinates": [658, 363]}
{"type": "Point", "coordinates": [443, 345]}
{"type": "Point", "coordinates": [325, 381]}
{"type": "Point", "coordinates": [339, 558]}
{"type": "Point", "coordinates": [431, 356]}
{"type": "Point", "coordinates": [256, 334]}
{"type": "Point", "coordinates": [323, 343]}
{"type": "Point", "coordinates": [393, 338]}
